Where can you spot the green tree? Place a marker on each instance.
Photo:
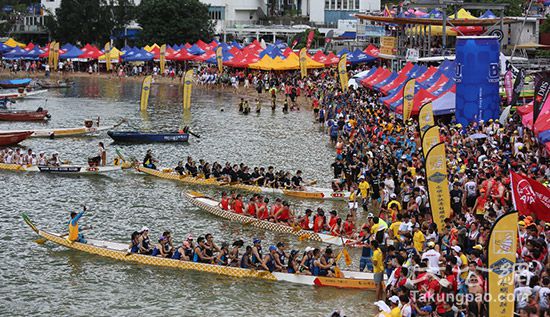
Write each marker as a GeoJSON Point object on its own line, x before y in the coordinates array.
{"type": "Point", "coordinates": [89, 21]}
{"type": "Point", "coordinates": [174, 21]}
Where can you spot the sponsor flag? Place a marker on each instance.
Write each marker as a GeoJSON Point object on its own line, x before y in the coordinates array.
{"type": "Point", "coordinates": [343, 72]}
{"type": "Point", "coordinates": [501, 260]}
{"type": "Point", "coordinates": [303, 62]}
{"type": "Point", "coordinates": [530, 197]}
{"type": "Point", "coordinates": [162, 58]}
{"type": "Point", "coordinates": [508, 85]}
{"type": "Point", "coordinates": [408, 97]}
{"type": "Point", "coordinates": [309, 39]}
{"type": "Point", "coordinates": [542, 88]}
{"type": "Point", "coordinates": [504, 115]}
{"type": "Point", "coordinates": [219, 58]}
{"type": "Point", "coordinates": [438, 184]}
{"type": "Point", "coordinates": [387, 12]}
{"type": "Point", "coordinates": [187, 87]}
{"type": "Point", "coordinates": [55, 55]}
{"type": "Point", "coordinates": [426, 117]}
{"type": "Point", "coordinates": [297, 39]}
{"type": "Point", "coordinates": [108, 56]}
{"type": "Point", "coordinates": [518, 86]}
{"type": "Point", "coordinates": [145, 90]}
{"type": "Point", "coordinates": [429, 139]}
{"type": "Point", "coordinates": [347, 257]}
{"type": "Point", "coordinates": [50, 54]}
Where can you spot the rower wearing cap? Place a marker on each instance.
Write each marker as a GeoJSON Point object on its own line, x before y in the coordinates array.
{"type": "Point", "coordinates": [269, 263]}
{"type": "Point", "coordinates": [307, 261]}
{"type": "Point", "coordinates": [54, 160]}
{"type": "Point", "coordinates": [256, 254]}
{"type": "Point", "coordinates": [145, 247]}
{"type": "Point", "coordinates": [8, 158]}
{"type": "Point", "coordinates": [74, 235]}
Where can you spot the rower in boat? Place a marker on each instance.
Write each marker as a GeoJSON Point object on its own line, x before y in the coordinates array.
{"type": "Point", "coordinates": [54, 160]}
{"type": "Point", "coordinates": [74, 235]}
{"type": "Point", "coordinates": [307, 261]}
{"type": "Point", "coordinates": [234, 256]}
{"type": "Point", "coordinates": [321, 265]}
{"type": "Point", "coordinates": [262, 211]}
{"type": "Point", "coordinates": [224, 202]}
{"type": "Point", "coordinates": [149, 161]}
{"type": "Point", "coordinates": [246, 259]}
{"type": "Point", "coordinates": [304, 220]}
{"type": "Point", "coordinates": [293, 265]}
{"type": "Point", "coordinates": [145, 247]}
{"type": "Point", "coordinates": [199, 254]}
{"type": "Point", "coordinates": [183, 252]}
{"type": "Point", "coordinates": [180, 169]}
{"type": "Point", "coordinates": [165, 247]}
{"type": "Point", "coordinates": [297, 181]}
{"type": "Point", "coordinates": [42, 161]}
{"type": "Point", "coordinates": [284, 215]}
{"type": "Point", "coordinates": [210, 247]}
{"type": "Point", "coordinates": [136, 243]}
{"type": "Point", "coordinates": [280, 255]}
{"type": "Point", "coordinates": [238, 204]}
{"type": "Point", "coordinates": [269, 263]}
{"type": "Point", "coordinates": [8, 158]}
{"type": "Point", "coordinates": [223, 256]}
{"type": "Point", "coordinates": [256, 253]}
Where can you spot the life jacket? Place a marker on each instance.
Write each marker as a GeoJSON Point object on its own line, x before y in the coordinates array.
{"type": "Point", "coordinates": [225, 204]}
{"type": "Point", "coordinates": [318, 222]}
{"type": "Point", "coordinates": [265, 213]}
{"type": "Point", "coordinates": [348, 228]}
{"type": "Point", "coordinates": [251, 209]}
{"type": "Point", "coordinates": [285, 215]}
{"type": "Point", "coordinates": [305, 223]}
{"type": "Point", "coordinates": [73, 231]}
{"type": "Point", "coordinates": [238, 207]}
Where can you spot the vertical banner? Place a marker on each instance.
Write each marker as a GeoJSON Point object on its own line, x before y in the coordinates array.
{"type": "Point", "coordinates": [56, 55]}
{"type": "Point", "coordinates": [145, 90]}
{"type": "Point", "coordinates": [309, 39]}
{"type": "Point", "coordinates": [162, 59]}
{"type": "Point", "coordinates": [303, 62]}
{"type": "Point", "coordinates": [508, 86]}
{"type": "Point", "coordinates": [343, 72]}
{"type": "Point", "coordinates": [50, 54]}
{"type": "Point", "coordinates": [477, 75]}
{"type": "Point", "coordinates": [408, 98]}
{"type": "Point", "coordinates": [297, 39]}
{"type": "Point", "coordinates": [530, 197]}
{"type": "Point", "coordinates": [438, 184]}
{"type": "Point", "coordinates": [518, 86]}
{"type": "Point", "coordinates": [542, 88]}
{"type": "Point", "coordinates": [501, 260]}
{"type": "Point", "coordinates": [219, 58]}
{"type": "Point", "coordinates": [429, 139]}
{"type": "Point", "coordinates": [426, 117]}
{"type": "Point", "coordinates": [108, 56]}
{"type": "Point", "coordinates": [187, 87]}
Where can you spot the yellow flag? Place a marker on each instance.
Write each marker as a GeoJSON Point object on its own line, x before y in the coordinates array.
{"type": "Point", "coordinates": [501, 261]}
{"type": "Point", "coordinates": [55, 55]}
{"type": "Point", "coordinates": [347, 257]}
{"type": "Point", "coordinates": [338, 273]}
{"type": "Point", "coordinates": [429, 139]}
{"type": "Point", "coordinates": [162, 58]}
{"type": "Point", "coordinates": [408, 98]}
{"type": "Point", "coordinates": [438, 184]}
{"type": "Point", "coordinates": [343, 72]}
{"type": "Point", "coordinates": [303, 62]}
{"type": "Point", "coordinates": [426, 117]}
{"type": "Point", "coordinates": [187, 87]}
{"type": "Point", "coordinates": [50, 54]}
{"type": "Point", "coordinates": [108, 56]}
{"type": "Point", "coordinates": [145, 90]}
{"type": "Point", "coordinates": [219, 58]}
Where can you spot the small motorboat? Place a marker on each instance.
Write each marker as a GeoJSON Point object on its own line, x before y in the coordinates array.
{"type": "Point", "coordinates": [15, 83]}
{"type": "Point", "coordinates": [11, 138]}
{"type": "Point", "coordinates": [23, 115]}
{"type": "Point", "coordinates": [148, 137]}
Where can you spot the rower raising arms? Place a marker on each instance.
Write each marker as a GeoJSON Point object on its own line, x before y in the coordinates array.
{"type": "Point", "coordinates": [149, 161]}
{"type": "Point", "coordinates": [74, 235]}
{"type": "Point", "coordinates": [200, 254]}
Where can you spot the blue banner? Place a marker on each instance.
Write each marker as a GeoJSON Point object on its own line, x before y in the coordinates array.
{"type": "Point", "coordinates": [477, 74]}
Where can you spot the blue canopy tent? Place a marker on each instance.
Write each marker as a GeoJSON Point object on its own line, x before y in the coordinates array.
{"type": "Point", "coordinates": [33, 54]}
{"type": "Point", "coordinates": [358, 56]}
{"type": "Point", "coordinates": [343, 51]}
{"type": "Point", "coordinates": [138, 56]}
{"type": "Point", "coordinates": [272, 51]}
{"type": "Point", "coordinates": [237, 45]}
{"type": "Point", "coordinates": [435, 14]}
{"type": "Point", "coordinates": [4, 48]}
{"type": "Point", "coordinates": [488, 15]}
{"type": "Point", "coordinates": [74, 52]}
{"type": "Point", "coordinates": [349, 35]}
{"type": "Point", "coordinates": [15, 53]}
{"type": "Point", "coordinates": [125, 49]}
{"type": "Point", "coordinates": [67, 47]}
{"type": "Point", "coordinates": [195, 50]}
{"type": "Point", "coordinates": [226, 56]}
{"type": "Point", "coordinates": [280, 44]}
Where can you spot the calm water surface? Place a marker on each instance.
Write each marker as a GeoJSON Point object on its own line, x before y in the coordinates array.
{"type": "Point", "coordinates": [51, 280]}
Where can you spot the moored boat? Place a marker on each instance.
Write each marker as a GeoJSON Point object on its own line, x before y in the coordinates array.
{"type": "Point", "coordinates": [15, 83]}
{"type": "Point", "coordinates": [147, 137]}
{"type": "Point", "coordinates": [309, 192]}
{"type": "Point", "coordinates": [57, 84]}
{"type": "Point", "coordinates": [21, 115]}
{"type": "Point", "coordinates": [62, 169]}
{"type": "Point", "coordinates": [21, 95]}
{"type": "Point", "coordinates": [67, 132]}
{"type": "Point", "coordinates": [119, 251]}
{"type": "Point", "coordinates": [210, 205]}
{"type": "Point", "coordinates": [10, 138]}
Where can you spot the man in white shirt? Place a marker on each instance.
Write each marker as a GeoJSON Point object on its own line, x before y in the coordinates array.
{"type": "Point", "coordinates": [522, 293]}
{"type": "Point", "coordinates": [544, 293]}
{"type": "Point", "coordinates": [433, 258]}
{"type": "Point", "coordinates": [405, 227]}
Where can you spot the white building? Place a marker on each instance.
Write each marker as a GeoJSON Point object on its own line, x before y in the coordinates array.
{"type": "Point", "coordinates": [50, 5]}
{"type": "Point", "coordinates": [328, 12]}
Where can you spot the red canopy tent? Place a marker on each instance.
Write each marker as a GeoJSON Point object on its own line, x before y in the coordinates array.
{"type": "Point", "coordinates": [371, 50]}
{"type": "Point", "coordinates": [187, 45]}
{"type": "Point", "coordinates": [29, 46]}
{"type": "Point", "coordinates": [402, 75]}
{"type": "Point", "coordinates": [90, 52]}
{"type": "Point", "coordinates": [427, 74]}
{"type": "Point", "coordinates": [421, 97]}
{"type": "Point", "coordinates": [205, 56]}
{"type": "Point", "coordinates": [366, 81]}
{"type": "Point", "coordinates": [287, 51]}
{"type": "Point", "coordinates": [180, 55]}
{"type": "Point", "coordinates": [383, 75]}
{"type": "Point", "coordinates": [202, 45]}
{"type": "Point", "coordinates": [46, 50]}
{"type": "Point", "coordinates": [332, 59]}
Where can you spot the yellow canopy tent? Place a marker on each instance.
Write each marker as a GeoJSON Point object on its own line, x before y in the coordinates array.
{"type": "Point", "coordinates": [277, 63]}
{"type": "Point", "coordinates": [266, 63]}
{"type": "Point", "coordinates": [463, 14]}
{"type": "Point", "coordinates": [13, 43]}
{"type": "Point", "coordinates": [293, 62]}
{"type": "Point", "coordinates": [147, 48]}
{"type": "Point", "coordinates": [115, 55]}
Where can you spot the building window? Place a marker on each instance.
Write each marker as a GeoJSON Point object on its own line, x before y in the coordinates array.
{"type": "Point", "coordinates": [327, 4]}
{"type": "Point", "coordinates": [345, 5]}
{"type": "Point", "coordinates": [216, 13]}
{"type": "Point", "coordinates": [356, 4]}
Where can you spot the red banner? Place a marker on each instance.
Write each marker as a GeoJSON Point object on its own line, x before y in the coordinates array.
{"type": "Point", "coordinates": [309, 39]}
{"type": "Point", "coordinates": [530, 197]}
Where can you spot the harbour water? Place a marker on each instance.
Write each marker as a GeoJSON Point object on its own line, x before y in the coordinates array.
{"type": "Point", "coordinates": [50, 280]}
